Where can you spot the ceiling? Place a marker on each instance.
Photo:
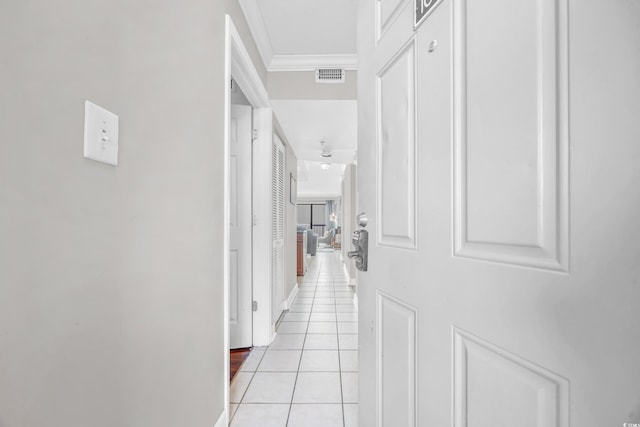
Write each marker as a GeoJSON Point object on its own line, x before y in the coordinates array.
{"type": "Point", "coordinates": [302, 35]}
{"type": "Point", "coordinates": [307, 122]}
{"type": "Point", "coordinates": [316, 183]}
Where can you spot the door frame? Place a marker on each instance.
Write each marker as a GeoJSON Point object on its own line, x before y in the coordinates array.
{"type": "Point", "coordinates": [238, 64]}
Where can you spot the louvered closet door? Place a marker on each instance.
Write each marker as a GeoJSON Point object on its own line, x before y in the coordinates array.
{"type": "Point", "coordinates": [277, 217]}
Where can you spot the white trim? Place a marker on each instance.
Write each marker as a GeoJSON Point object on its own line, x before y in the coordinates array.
{"type": "Point", "coordinates": [244, 72]}
{"type": "Point", "coordinates": [353, 281]}
{"type": "Point", "coordinates": [292, 295]}
{"type": "Point", "coordinates": [312, 62]}
{"type": "Point", "coordinates": [315, 197]}
{"type": "Point", "coordinates": [345, 268]}
{"type": "Point", "coordinates": [241, 67]}
{"type": "Point", "coordinates": [253, 15]}
{"type": "Point", "coordinates": [222, 420]}
{"type": "Point", "coordinates": [262, 239]}
{"type": "Point", "coordinates": [226, 241]}
{"type": "Point", "coordinates": [238, 64]}
{"type": "Point", "coordinates": [273, 62]}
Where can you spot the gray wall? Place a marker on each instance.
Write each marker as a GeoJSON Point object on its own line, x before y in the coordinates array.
{"type": "Point", "coordinates": [290, 232]}
{"type": "Point", "coordinates": [302, 85]}
{"type": "Point", "coordinates": [237, 96]}
{"type": "Point", "coordinates": [111, 278]}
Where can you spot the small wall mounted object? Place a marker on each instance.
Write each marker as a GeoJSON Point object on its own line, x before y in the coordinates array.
{"type": "Point", "coordinates": [100, 134]}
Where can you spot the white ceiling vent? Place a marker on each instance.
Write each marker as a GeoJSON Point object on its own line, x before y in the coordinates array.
{"type": "Point", "coordinates": [330, 75]}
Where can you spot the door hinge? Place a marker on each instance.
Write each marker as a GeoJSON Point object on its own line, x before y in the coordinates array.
{"type": "Point", "coordinates": [254, 306]}
{"type": "Point", "coordinates": [255, 220]}
{"type": "Point", "coordinates": [254, 135]}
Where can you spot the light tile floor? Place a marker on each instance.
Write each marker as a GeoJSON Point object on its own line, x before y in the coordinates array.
{"type": "Point", "coordinates": [308, 376]}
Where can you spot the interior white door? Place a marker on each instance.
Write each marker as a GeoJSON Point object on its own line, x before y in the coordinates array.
{"type": "Point", "coordinates": [240, 290]}
{"type": "Point", "coordinates": [277, 227]}
{"type": "Point", "coordinates": [498, 152]}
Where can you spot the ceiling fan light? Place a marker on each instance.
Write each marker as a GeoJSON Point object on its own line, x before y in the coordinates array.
{"type": "Point", "coordinates": [325, 166]}
{"type": "Point", "coordinates": [325, 152]}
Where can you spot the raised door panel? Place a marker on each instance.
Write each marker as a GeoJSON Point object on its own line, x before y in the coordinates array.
{"type": "Point", "coordinates": [495, 388]}
{"type": "Point", "coordinates": [511, 136]}
{"type": "Point", "coordinates": [396, 360]}
{"type": "Point", "coordinates": [386, 12]}
{"type": "Point", "coordinates": [396, 146]}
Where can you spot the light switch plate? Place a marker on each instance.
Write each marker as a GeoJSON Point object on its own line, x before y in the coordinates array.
{"type": "Point", "coordinates": [100, 134]}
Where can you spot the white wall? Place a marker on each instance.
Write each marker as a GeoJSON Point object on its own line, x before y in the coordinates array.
{"type": "Point", "coordinates": [302, 85]}
{"type": "Point", "coordinates": [319, 183]}
{"type": "Point", "coordinates": [237, 96]}
{"type": "Point", "coordinates": [111, 278]}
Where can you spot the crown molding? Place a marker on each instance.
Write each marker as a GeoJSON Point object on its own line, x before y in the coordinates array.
{"type": "Point", "coordinates": [258, 28]}
{"type": "Point", "coordinates": [272, 62]}
{"type": "Point", "coordinates": [311, 62]}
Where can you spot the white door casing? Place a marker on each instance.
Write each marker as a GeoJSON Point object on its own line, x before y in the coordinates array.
{"type": "Point", "coordinates": [497, 165]}
{"type": "Point", "coordinates": [240, 224]}
{"type": "Point", "coordinates": [277, 228]}
{"type": "Point", "coordinates": [238, 64]}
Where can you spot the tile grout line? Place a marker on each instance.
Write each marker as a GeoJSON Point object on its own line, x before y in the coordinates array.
{"type": "Point", "coordinates": [324, 279]}
{"type": "Point", "coordinates": [339, 359]}
{"type": "Point", "coordinates": [301, 353]}
{"type": "Point", "coordinates": [248, 385]}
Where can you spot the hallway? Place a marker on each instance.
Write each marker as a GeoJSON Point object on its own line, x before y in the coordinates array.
{"type": "Point", "coordinates": [308, 376]}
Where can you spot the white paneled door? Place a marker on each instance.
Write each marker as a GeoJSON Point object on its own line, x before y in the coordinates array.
{"type": "Point", "coordinates": [498, 153]}
{"type": "Point", "coordinates": [240, 300]}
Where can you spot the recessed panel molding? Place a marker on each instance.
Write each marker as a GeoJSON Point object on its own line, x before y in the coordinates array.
{"type": "Point", "coordinates": [511, 160]}
{"type": "Point", "coordinates": [396, 150]}
{"type": "Point", "coordinates": [495, 387]}
{"type": "Point", "coordinates": [396, 362]}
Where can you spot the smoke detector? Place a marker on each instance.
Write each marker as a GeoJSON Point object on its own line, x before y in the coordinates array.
{"type": "Point", "coordinates": [330, 75]}
{"type": "Point", "coordinates": [325, 151]}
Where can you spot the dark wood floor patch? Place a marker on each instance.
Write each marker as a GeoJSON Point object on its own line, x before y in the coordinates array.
{"type": "Point", "coordinates": [237, 357]}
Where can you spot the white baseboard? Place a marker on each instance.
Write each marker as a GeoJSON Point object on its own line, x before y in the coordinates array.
{"type": "Point", "coordinates": [292, 296]}
{"type": "Point", "coordinates": [345, 270]}
{"type": "Point", "coordinates": [222, 420]}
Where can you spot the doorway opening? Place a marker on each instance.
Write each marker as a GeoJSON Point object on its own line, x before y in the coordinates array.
{"type": "Point", "coordinates": [240, 220]}
{"type": "Point", "coordinates": [247, 203]}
